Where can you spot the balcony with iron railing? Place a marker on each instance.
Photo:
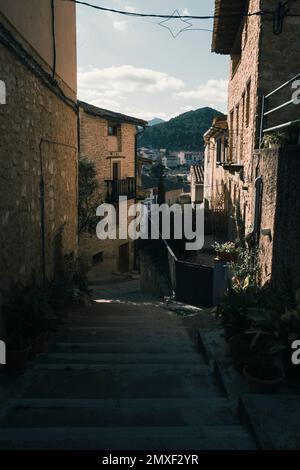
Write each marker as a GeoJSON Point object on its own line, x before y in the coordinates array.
{"type": "Point", "coordinates": [281, 111]}
{"type": "Point", "coordinates": [120, 187]}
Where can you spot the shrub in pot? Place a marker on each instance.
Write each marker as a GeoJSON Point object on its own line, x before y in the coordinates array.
{"type": "Point", "coordinates": [264, 372]}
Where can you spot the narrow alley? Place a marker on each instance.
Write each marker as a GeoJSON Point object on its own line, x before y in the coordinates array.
{"type": "Point", "coordinates": [125, 373]}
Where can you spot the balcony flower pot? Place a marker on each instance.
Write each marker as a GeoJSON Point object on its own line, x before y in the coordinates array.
{"type": "Point", "coordinates": [16, 360]}
{"type": "Point", "coordinates": [263, 378]}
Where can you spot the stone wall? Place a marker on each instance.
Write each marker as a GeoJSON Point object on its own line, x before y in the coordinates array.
{"type": "Point", "coordinates": [102, 268]}
{"type": "Point", "coordinates": [280, 222]}
{"type": "Point", "coordinates": [152, 279]}
{"type": "Point", "coordinates": [38, 142]}
{"type": "Point", "coordinates": [266, 162]}
{"type": "Point", "coordinates": [286, 241]}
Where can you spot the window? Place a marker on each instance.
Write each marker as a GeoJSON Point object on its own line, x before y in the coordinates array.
{"type": "Point", "coordinates": [231, 133]}
{"type": "Point", "coordinates": [237, 140]}
{"type": "Point", "coordinates": [98, 258]}
{"type": "Point", "coordinates": [247, 110]}
{"type": "Point", "coordinates": [113, 130]}
{"type": "Point", "coordinates": [235, 62]}
{"type": "Point", "coordinates": [116, 170]}
{"type": "Point", "coordinates": [219, 150]}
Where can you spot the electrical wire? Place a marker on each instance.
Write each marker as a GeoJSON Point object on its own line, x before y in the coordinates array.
{"type": "Point", "coordinates": [53, 39]}
{"type": "Point", "coordinates": [155, 15]}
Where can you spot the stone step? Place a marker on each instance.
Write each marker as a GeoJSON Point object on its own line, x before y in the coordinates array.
{"type": "Point", "coordinates": [146, 438]}
{"type": "Point", "coordinates": [126, 347]}
{"type": "Point", "coordinates": [111, 334]}
{"type": "Point", "coordinates": [118, 358]}
{"type": "Point", "coordinates": [138, 412]}
{"type": "Point", "coordinates": [120, 381]}
{"type": "Point", "coordinates": [126, 323]}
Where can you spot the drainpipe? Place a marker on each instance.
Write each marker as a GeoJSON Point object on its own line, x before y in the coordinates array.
{"type": "Point", "coordinates": [136, 157]}
{"type": "Point", "coordinates": [258, 208]}
{"type": "Point", "coordinates": [137, 134]}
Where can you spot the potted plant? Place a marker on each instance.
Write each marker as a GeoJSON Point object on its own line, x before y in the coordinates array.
{"type": "Point", "coordinates": [274, 140]}
{"type": "Point", "coordinates": [227, 251]}
{"type": "Point", "coordinates": [233, 311]}
{"type": "Point", "coordinates": [264, 372]}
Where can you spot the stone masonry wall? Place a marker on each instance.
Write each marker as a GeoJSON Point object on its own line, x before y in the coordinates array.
{"type": "Point", "coordinates": [38, 137]}
{"type": "Point", "coordinates": [246, 74]}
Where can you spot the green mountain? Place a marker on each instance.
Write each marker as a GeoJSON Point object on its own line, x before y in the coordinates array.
{"type": "Point", "coordinates": [184, 132]}
{"type": "Point", "coordinates": [156, 121]}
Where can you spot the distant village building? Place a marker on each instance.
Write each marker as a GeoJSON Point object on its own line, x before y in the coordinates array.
{"type": "Point", "coordinates": [173, 189]}
{"type": "Point", "coordinates": [109, 140]}
{"type": "Point", "coordinates": [38, 167]}
{"type": "Point", "coordinates": [171, 160]}
{"type": "Point", "coordinates": [258, 186]}
{"type": "Point", "coordinates": [197, 184]}
{"type": "Point", "coordinates": [216, 155]}
{"type": "Point", "coordinates": [194, 158]}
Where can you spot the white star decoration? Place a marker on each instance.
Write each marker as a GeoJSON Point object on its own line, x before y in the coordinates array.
{"type": "Point", "coordinates": [175, 25]}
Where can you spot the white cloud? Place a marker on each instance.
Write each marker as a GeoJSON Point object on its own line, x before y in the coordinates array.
{"type": "Point", "coordinates": [212, 91]}
{"type": "Point", "coordinates": [112, 84]}
{"type": "Point", "coordinates": [121, 25]}
{"type": "Point", "coordinates": [185, 12]}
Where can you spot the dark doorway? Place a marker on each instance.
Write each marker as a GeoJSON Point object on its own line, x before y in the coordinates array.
{"type": "Point", "coordinates": [116, 171]}
{"type": "Point", "coordinates": [124, 258]}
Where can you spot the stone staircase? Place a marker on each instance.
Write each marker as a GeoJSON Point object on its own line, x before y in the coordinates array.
{"type": "Point", "coordinates": [123, 376]}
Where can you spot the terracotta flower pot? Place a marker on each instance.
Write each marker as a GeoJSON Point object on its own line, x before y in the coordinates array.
{"type": "Point", "coordinates": [263, 378]}
{"type": "Point", "coordinates": [16, 361]}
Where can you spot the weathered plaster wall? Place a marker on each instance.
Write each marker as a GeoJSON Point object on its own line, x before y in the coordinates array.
{"type": "Point", "coordinates": [31, 22]}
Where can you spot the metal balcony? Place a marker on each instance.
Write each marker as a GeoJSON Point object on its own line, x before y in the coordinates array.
{"type": "Point", "coordinates": [122, 187]}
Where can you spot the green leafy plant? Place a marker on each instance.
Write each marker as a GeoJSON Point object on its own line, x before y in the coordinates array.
{"type": "Point", "coordinates": [274, 139]}
{"type": "Point", "coordinates": [245, 269]}
{"type": "Point", "coordinates": [32, 310]}
{"type": "Point", "coordinates": [227, 247]}
{"type": "Point", "coordinates": [88, 199]}
{"type": "Point", "coordinates": [71, 286]}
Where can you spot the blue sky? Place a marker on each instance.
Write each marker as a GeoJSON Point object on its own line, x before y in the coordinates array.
{"type": "Point", "coordinates": [135, 66]}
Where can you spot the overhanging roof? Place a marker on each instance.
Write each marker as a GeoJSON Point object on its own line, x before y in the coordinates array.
{"type": "Point", "coordinates": [227, 27]}
{"type": "Point", "coordinates": [110, 115]}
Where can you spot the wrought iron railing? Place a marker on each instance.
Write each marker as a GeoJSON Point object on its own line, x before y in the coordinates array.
{"type": "Point", "coordinates": [267, 111]}
{"type": "Point", "coordinates": [122, 187]}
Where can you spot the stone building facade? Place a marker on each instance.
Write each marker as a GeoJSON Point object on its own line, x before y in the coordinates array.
{"type": "Point", "coordinates": [263, 56]}
{"type": "Point", "coordinates": [38, 144]}
{"type": "Point", "coordinates": [108, 139]}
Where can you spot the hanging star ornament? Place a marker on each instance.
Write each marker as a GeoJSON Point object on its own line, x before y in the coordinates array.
{"type": "Point", "coordinates": [175, 24]}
